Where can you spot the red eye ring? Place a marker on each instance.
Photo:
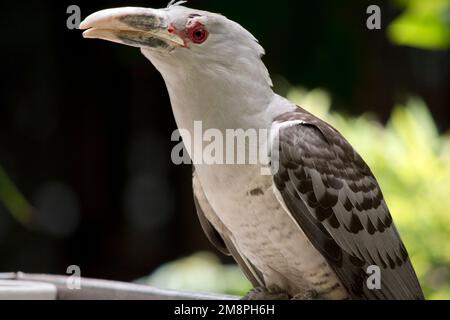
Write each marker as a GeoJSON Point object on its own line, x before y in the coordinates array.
{"type": "Point", "coordinates": [198, 34]}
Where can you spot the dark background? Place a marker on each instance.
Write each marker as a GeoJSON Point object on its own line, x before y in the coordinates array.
{"type": "Point", "coordinates": [85, 125]}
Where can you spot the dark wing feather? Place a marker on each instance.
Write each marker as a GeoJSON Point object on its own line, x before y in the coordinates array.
{"type": "Point", "coordinates": [337, 202]}
{"type": "Point", "coordinates": [211, 233]}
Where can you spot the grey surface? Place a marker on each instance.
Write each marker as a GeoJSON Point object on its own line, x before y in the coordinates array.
{"type": "Point", "coordinates": [91, 289]}
{"type": "Point", "coordinates": [27, 290]}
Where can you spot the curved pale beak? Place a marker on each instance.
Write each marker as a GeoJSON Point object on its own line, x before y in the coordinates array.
{"type": "Point", "coordinates": [137, 27]}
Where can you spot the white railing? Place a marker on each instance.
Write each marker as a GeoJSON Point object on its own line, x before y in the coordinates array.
{"type": "Point", "coordinates": [19, 285]}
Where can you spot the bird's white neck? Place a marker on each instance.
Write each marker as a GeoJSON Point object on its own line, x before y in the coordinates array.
{"type": "Point", "coordinates": [222, 98]}
{"type": "Point", "coordinates": [236, 97]}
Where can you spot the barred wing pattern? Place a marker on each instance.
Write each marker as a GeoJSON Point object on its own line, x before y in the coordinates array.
{"type": "Point", "coordinates": [334, 197]}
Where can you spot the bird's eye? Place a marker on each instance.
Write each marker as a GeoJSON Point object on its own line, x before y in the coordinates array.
{"type": "Point", "coordinates": [198, 34]}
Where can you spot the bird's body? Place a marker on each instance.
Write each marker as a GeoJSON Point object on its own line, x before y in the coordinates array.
{"type": "Point", "coordinates": [313, 225]}
{"type": "Point", "coordinates": [263, 232]}
{"type": "Point", "coordinates": [248, 211]}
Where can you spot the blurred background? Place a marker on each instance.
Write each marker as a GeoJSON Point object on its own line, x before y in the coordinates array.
{"type": "Point", "coordinates": [85, 171]}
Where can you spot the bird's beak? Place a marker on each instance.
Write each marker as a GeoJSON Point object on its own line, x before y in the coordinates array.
{"type": "Point", "coordinates": [137, 27]}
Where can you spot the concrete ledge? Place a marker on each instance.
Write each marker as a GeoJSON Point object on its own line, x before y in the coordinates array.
{"type": "Point", "coordinates": [42, 286]}
{"type": "Point", "coordinates": [27, 290]}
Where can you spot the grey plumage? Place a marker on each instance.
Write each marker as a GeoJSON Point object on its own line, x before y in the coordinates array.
{"type": "Point", "coordinates": [337, 201]}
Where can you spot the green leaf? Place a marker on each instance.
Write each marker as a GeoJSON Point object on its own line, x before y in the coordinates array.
{"type": "Point", "coordinates": [13, 200]}
{"type": "Point", "coordinates": [423, 24]}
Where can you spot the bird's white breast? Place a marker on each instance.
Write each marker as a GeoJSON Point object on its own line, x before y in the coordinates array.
{"type": "Point", "coordinates": [246, 203]}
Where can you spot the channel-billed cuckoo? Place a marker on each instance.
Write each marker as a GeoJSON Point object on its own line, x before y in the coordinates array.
{"type": "Point", "coordinates": [318, 224]}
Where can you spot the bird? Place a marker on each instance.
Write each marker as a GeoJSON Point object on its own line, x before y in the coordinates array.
{"type": "Point", "coordinates": [312, 227]}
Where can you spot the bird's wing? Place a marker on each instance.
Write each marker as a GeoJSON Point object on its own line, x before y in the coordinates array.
{"type": "Point", "coordinates": [202, 205]}
{"type": "Point", "coordinates": [336, 200]}
{"type": "Point", "coordinates": [219, 237]}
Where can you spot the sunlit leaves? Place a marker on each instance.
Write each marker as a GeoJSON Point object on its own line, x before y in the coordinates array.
{"type": "Point", "coordinates": [422, 24]}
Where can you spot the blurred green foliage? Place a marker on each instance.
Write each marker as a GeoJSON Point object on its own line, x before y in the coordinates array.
{"type": "Point", "coordinates": [412, 164]}
{"type": "Point", "coordinates": [201, 272]}
{"type": "Point", "coordinates": [13, 200]}
{"type": "Point", "coordinates": [423, 24]}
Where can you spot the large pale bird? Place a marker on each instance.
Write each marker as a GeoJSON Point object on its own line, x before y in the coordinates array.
{"type": "Point", "coordinates": [317, 224]}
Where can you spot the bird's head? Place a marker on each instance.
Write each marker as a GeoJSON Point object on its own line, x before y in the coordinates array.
{"type": "Point", "coordinates": [180, 39]}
